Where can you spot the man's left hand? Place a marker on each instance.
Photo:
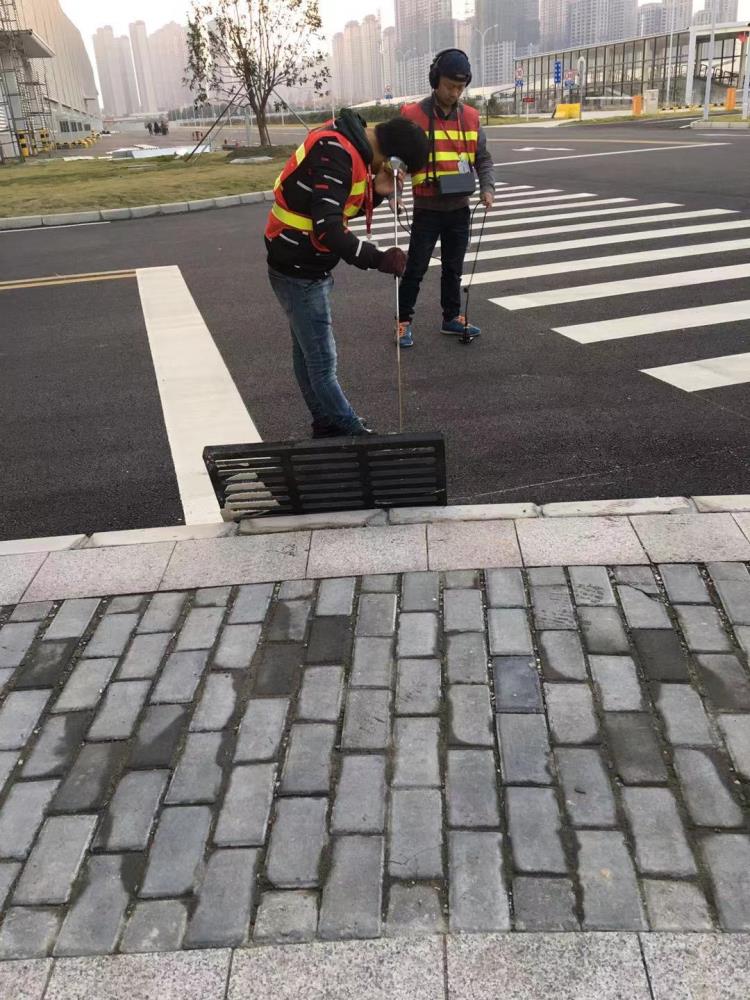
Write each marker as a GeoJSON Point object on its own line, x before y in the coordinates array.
{"type": "Point", "coordinates": [487, 198]}
{"type": "Point", "coordinates": [383, 183]}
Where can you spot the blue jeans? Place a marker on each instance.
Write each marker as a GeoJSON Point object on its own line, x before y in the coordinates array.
{"type": "Point", "coordinates": [427, 227]}
{"type": "Point", "coordinates": [307, 305]}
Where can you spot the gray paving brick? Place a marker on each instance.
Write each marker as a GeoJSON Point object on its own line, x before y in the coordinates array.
{"type": "Point", "coordinates": [8, 872]}
{"type": "Point", "coordinates": [125, 603]}
{"type": "Point", "coordinates": [216, 707]}
{"type": "Point", "coordinates": [359, 806]}
{"type": "Point", "coordinates": [727, 856]}
{"type": "Point", "coordinates": [132, 811]}
{"type": "Point", "coordinates": [546, 576]}
{"type": "Point", "coordinates": [553, 608]}
{"type": "Point", "coordinates": [416, 746]}
{"type": "Point", "coordinates": [8, 760]}
{"type": "Point", "coordinates": [516, 684]}
{"type": "Point", "coordinates": [330, 640]}
{"type": "Point", "coordinates": [676, 906]}
{"type": "Point", "coordinates": [570, 708]}
{"type": "Point", "coordinates": [661, 654]}
{"type": "Point", "coordinates": [524, 749]}
{"type": "Point", "coordinates": [15, 642]}
{"type": "Point", "coordinates": [321, 694]}
{"type": "Point", "coordinates": [617, 682]}
{"type": "Point", "coordinates": [21, 816]}
{"type": "Point", "coordinates": [295, 590]}
{"type": "Point", "coordinates": [728, 571]}
{"type": "Point", "coordinates": [279, 669]}
{"type": "Point", "coordinates": [534, 828]}
{"type": "Point", "coordinates": [414, 910]}
{"type": "Point", "coordinates": [588, 794]}
{"type": "Point", "coordinates": [591, 586]}
{"type": "Point", "coordinates": [470, 715]}
{"type": "Point", "coordinates": [158, 735]}
{"type": "Point", "coordinates": [471, 789]}
{"type": "Point", "coordinates": [684, 584]}
{"type": "Point", "coordinates": [45, 665]}
{"type": "Point", "coordinates": [735, 598]}
{"type": "Point", "coordinates": [661, 847]}
{"type": "Point", "coordinates": [602, 630]}
{"type": "Point", "coordinates": [380, 583]}
{"type": "Point", "coordinates": [366, 720]}
{"type": "Point", "coordinates": [286, 917]}
{"type": "Point", "coordinates": [19, 716]}
{"type": "Point", "coordinates": [212, 597]}
{"type": "Point", "coordinates": [28, 933]}
{"type": "Point", "coordinates": [111, 636]}
{"type": "Point", "coordinates": [85, 685]}
{"type": "Point", "coordinates": [376, 615]}
{"type": "Point", "coordinates": [225, 900]}
{"type": "Point", "coordinates": [177, 851]}
{"type": "Point", "coordinates": [610, 892]}
{"type": "Point", "coordinates": [642, 610]}
{"type": "Point", "coordinates": [200, 629]}
{"type": "Point", "coordinates": [156, 925]}
{"type": "Point", "coordinates": [289, 620]}
{"type": "Point", "coordinates": [736, 732]}
{"type": "Point", "coordinates": [702, 628]}
{"type": "Point", "coordinates": [197, 777]}
{"type": "Point", "coordinates": [298, 837]}
{"type": "Point", "coordinates": [352, 895]}
{"type": "Point", "coordinates": [119, 711]}
{"type": "Point", "coordinates": [544, 904]}
{"type": "Point", "coordinates": [415, 833]}
{"type": "Point", "coordinates": [478, 901]}
{"type": "Point", "coordinates": [336, 597]}
{"type": "Point", "coordinates": [562, 656]}
{"type": "Point", "coordinates": [53, 864]}
{"type": "Point", "coordinates": [418, 687]}
{"type": "Point", "coordinates": [261, 729]}
{"type": "Point", "coordinates": [635, 749]}
{"type": "Point", "coordinates": [707, 789]}
{"type": "Point", "coordinates": [463, 611]}
{"type": "Point", "coordinates": [505, 588]}
{"type": "Point", "coordinates": [243, 820]}
{"type": "Point", "coordinates": [420, 592]}
{"type": "Point", "coordinates": [417, 634]}
{"type": "Point", "coordinates": [725, 682]}
{"type": "Point", "coordinates": [251, 604]}
{"type": "Point", "coordinates": [641, 577]}
{"type": "Point", "coordinates": [309, 759]}
{"type": "Point", "coordinates": [685, 721]}
{"type": "Point", "coordinates": [509, 632]}
{"type": "Point", "coordinates": [88, 782]}
{"type": "Point", "coordinates": [373, 663]}
{"type": "Point", "coordinates": [94, 922]}
{"type": "Point", "coordinates": [163, 613]}
{"type": "Point", "coordinates": [35, 611]}
{"type": "Point", "coordinates": [144, 657]}
{"type": "Point", "coordinates": [180, 677]}
{"type": "Point", "coordinates": [460, 578]}
{"type": "Point", "coordinates": [466, 658]}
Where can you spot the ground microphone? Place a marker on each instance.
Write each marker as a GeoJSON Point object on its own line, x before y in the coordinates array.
{"type": "Point", "coordinates": [397, 165]}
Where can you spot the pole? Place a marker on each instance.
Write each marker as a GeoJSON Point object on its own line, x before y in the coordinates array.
{"type": "Point", "coordinates": [710, 69]}
{"type": "Point", "coordinates": [397, 286]}
{"type": "Point", "coordinates": [746, 85]}
{"type": "Point", "coordinates": [669, 53]}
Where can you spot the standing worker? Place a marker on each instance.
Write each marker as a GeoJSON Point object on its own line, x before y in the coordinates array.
{"type": "Point", "coordinates": [458, 148]}
{"type": "Point", "coordinates": [339, 169]}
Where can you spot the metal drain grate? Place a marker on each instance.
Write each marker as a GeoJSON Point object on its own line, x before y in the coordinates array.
{"type": "Point", "coordinates": [313, 477]}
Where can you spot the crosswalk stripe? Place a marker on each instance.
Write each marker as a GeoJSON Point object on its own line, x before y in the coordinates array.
{"type": "Point", "coordinates": [598, 241]}
{"type": "Point", "coordinates": [708, 373]}
{"type": "Point", "coordinates": [499, 198]}
{"type": "Point", "coordinates": [628, 286]}
{"type": "Point", "coordinates": [589, 214]}
{"type": "Point", "coordinates": [613, 260]}
{"type": "Point", "coordinates": [660, 322]}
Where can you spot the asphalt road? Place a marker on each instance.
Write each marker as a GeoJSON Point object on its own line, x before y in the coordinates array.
{"type": "Point", "coordinates": [529, 413]}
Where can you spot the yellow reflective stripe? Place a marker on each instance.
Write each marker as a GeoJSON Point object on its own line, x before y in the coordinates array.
{"type": "Point", "coordinates": [420, 178]}
{"type": "Point", "coordinates": [450, 154]}
{"type": "Point", "coordinates": [449, 134]}
{"type": "Point", "coordinates": [278, 183]}
{"type": "Point", "coordinates": [358, 188]}
{"type": "Point", "coordinates": [300, 153]}
{"type": "Point", "coordinates": [291, 219]}
{"type": "Point", "coordinates": [351, 210]}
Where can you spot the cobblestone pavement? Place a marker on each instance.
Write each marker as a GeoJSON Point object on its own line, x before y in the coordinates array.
{"type": "Point", "coordinates": [539, 750]}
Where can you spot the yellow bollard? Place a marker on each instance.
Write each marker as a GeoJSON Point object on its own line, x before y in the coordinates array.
{"type": "Point", "coordinates": [731, 102]}
{"type": "Point", "coordinates": [638, 104]}
{"type": "Point", "coordinates": [23, 144]}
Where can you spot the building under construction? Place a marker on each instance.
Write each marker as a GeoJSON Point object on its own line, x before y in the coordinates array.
{"type": "Point", "coordinates": [48, 94]}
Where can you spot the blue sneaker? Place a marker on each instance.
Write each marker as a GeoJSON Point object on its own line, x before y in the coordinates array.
{"type": "Point", "coordinates": [458, 327]}
{"type": "Point", "coordinates": [405, 335]}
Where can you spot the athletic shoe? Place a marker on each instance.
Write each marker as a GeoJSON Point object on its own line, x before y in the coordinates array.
{"type": "Point", "coordinates": [458, 327]}
{"type": "Point", "coordinates": [405, 335]}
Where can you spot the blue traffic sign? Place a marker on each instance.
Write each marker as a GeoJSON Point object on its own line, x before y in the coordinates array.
{"type": "Point", "coordinates": [519, 83]}
{"type": "Point", "coordinates": [558, 71]}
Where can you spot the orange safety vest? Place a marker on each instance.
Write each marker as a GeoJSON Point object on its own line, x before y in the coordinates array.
{"type": "Point", "coordinates": [281, 217]}
{"type": "Point", "coordinates": [450, 145]}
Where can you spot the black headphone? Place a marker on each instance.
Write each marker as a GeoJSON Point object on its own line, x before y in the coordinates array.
{"type": "Point", "coordinates": [434, 76]}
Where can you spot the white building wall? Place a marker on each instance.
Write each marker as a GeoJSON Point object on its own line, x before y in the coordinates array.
{"type": "Point", "coordinates": [142, 61]}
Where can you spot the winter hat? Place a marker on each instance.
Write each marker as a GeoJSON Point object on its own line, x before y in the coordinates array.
{"type": "Point", "coordinates": [455, 65]}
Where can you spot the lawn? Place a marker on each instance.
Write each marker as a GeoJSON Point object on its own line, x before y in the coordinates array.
{"type": "Point", "coordinates": [42, 187]}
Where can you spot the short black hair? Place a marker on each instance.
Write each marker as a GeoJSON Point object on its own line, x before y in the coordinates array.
{"type": "Point", "coordinates": [404, 139]}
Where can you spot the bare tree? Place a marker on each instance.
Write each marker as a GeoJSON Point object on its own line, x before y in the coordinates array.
{"type": "Point", "coordinates": [245, 49]}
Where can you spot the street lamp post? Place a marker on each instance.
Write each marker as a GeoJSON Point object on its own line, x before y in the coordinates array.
{"type": "Point", "coordinates": [401, 57]}
{"type": "Point", "coordinates": [672, 10]}
{"type": "Point", "coordinates": [481, 34]}
{"type": "Point", "coordinates": [710, 69]}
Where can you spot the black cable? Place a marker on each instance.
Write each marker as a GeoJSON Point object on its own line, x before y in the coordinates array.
{"type": "Point", "coordinates": [466, 339]}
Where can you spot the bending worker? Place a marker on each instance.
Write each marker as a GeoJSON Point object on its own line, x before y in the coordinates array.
{"type": "Point", "coordinates": [339, 169]}
{"type": "Point", "coordinates": [458, 150]}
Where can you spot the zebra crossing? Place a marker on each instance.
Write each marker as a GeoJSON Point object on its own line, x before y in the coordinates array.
{"type": "Point", "coordinates": [641, 254]}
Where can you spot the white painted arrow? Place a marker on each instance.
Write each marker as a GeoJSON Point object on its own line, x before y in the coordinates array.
{"type": "Point", "coordinates": [543, 149]}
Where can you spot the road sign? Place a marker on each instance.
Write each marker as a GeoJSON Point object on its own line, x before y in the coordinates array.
{"type": "Point", "coordinates": [568, 83]}
{"type": "Point", "coordinates": [519, 71]}
{"type": "Point", "coordinates": [558, 71]}
{"type": "Point", "coordinates": [528, 100]}
{"type": "Point", "coordinates": [570, 74]}
{"type": "Point", "coordinates": [519, 83]}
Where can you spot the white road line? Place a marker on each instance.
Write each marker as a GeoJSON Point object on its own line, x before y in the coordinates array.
{"type": "Point", "coordinates": [44, 229]}
{"type": "Point", "coordinates": [709, 373]}
{"type": "Point", "coordinates": [200, 401]}
{"type": "Point", "coordinates": [635, 207]}
{"type": "Point", "coordinates": [628, 286]}
{"type": "Point", "coordinates": [660, 322]}
{"type": "Point", "coordinates": [600, 241]}
{"type": "Point", "coordinates": [612, 152]}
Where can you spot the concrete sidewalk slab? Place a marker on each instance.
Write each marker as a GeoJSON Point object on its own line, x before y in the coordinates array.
{"type": "Point", "coordinates": [580, 541]}
{"type": "Point", "coordinates": [675, 538]}
{"type": "Point", "coordinates": [215, 562]}
{"type": "Point", "coordinates": [56, 543]}
{"type": "Point", "coordinates": [698, 966]}
{"type": "Point", "coordinates": [16, 574]}
{"type": "Point", "coordinates": [355, 551]}
{"type": "Point", "coordinates": [173, 533]}
{"type": "Point", "coordinates": [462, 512]}
{"type": "Point", "coordinates": [99, 572]}
{"type": "Point", "coordinates": [723, 502]}
{"type": "Point", "coordinates": [464, 545]}
{"type": "Point", "coordinates": [25, 980]}
{"type": "Point", "coordinates": [600, 508]}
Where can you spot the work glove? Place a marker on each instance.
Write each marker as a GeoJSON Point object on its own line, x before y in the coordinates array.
{"type": "Point", "coordinates": [393, 261]}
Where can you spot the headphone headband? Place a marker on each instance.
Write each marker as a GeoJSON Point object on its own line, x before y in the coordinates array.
{"type": "Point", "coordinates": [434, 74]}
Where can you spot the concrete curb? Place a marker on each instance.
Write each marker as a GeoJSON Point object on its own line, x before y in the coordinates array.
{"type": "Point", "coordinates": [136, 212]}
{"type": "Point", "coordinates": [719, 125]}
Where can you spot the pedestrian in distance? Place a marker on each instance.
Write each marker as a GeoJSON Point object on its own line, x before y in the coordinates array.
{"type": "Point", "coordinates": [150, 128]}
{"type": "Point", "coordinates": [458, 152]}
{"type": "Point", "coordinates": [340, 171]}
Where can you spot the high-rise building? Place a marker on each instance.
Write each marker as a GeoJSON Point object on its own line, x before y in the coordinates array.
{"type": "Point", "coordinates": [651, 18]}
{"type": "Point", "coordinates": [352, 54]}
{"type": "Point", "coordinates": [338, 67]}
{"type": "Point", "coordinates": [554, 24]}
{"type": "Point", "coordinates": [114, 65]}
{"type": "Point", "coordinates": [143, 71]}
{"type": "Point", "coordinates": [500, 59]}
{"type": "Point", "coordinates": [620, 20]}
{"type": "Point", "coordinates": [390, 81]}
{"type": "Point", "coordinates": [586, 22]}
{"type": "Point", "coordinates": [169, 56]}
{"type": "Point", "coordinates": [677, 14]}
{"type": "Point", "coordinates": [371, 59]}
{"type": "Point", "coordinates": [516, 20]}
{"type": "Point", "coordinates": [726, 12]}
{"type": "Point", "coordinates": [423, 28]}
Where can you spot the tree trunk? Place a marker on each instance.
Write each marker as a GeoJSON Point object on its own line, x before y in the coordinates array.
{"type": "Point", "coordinates": [263, 135]}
